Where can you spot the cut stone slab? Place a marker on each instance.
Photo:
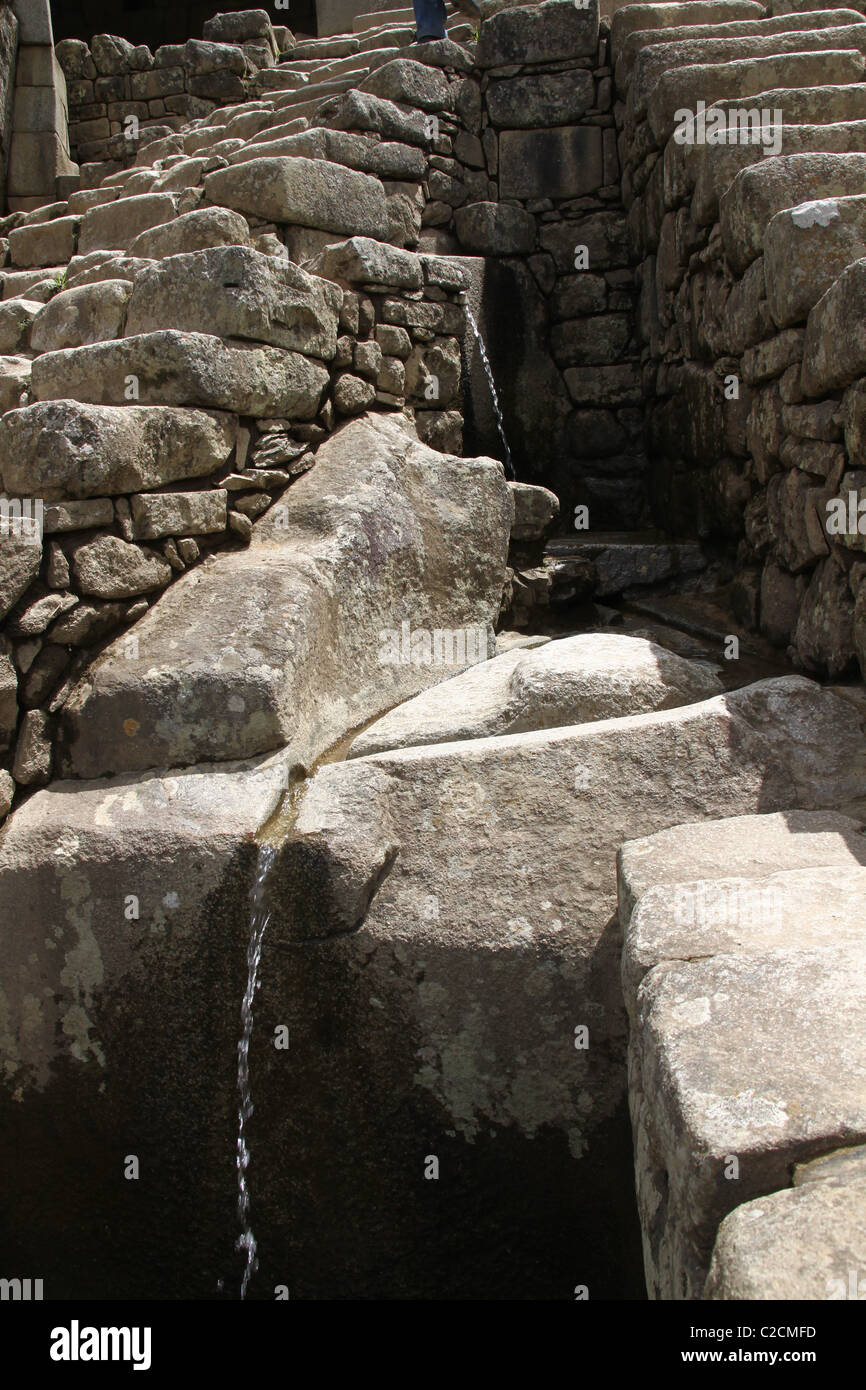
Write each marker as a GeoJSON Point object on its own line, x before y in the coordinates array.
{"type": "Point", "coordinates": [85, 314]}
{"type": "Point", "coordinates": [553, 99]}
{"type": "Point", "coordinates": [828, 362]}
{"type": "Point", "coordinates": [44, 244]}
{"type": "Point", "coordinates": [388, 159]}
{"type": "Point", "coordinates": [68, 449]}
{"type": "Point", "coordinates": [76, 516]}
{"type": "Point", "coordinates": [806, 248]}
{"type": "Point", "coordinates": [546, 33]}
{"type": "Point", "coordinates": [562, 162]}
{"type": "Point", "coordinates": [362, 261]}
{"type": "Point", "coordinates": [744, 916]}
{"type": "Point", "coordinates": [465, 893]}
{"type": "Point", "coordinates": [745, 846]}
{"type": "Point", "coordinates": [682, 88]}
{"type": "Point", "coordinates": [157, 514]}
{"type": "Point", "coordinates": [116, 225]}
{"type": "Point", "coordinates": [194, 231]}
{"type": "Point", "coordinates": [305, 193]}
{"type": "Point", "coordinates": [799, 1244]}
{"type": "Point", "coordinates": [623, 563]}
{"type": "Point", "coordinates": [174, 368]}
{"type": "Point", "coordinates": [281, 643]}
{"type": "Point", "coordinates": [570, 681]}
{"type": "Point", "coordinates": [236, 292]}
{"type": "Point", "coordinates": [724, 1074]}
{"type": "Point", "coordinates": [495, 229]}
{"type": "Point", "coordinates": [783, 181]}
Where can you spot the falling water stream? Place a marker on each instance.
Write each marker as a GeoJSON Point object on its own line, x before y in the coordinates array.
{"type": "Point", "coordinates": [259, 917]}
{"type": "Point", "coordinates": [473, 324]}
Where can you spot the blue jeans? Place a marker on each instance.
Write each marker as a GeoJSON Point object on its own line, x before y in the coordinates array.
{"type": "Point", "coordinates": [430, 19]}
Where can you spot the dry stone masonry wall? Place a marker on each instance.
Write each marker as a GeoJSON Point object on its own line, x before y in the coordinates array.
{"type": "Point", "coordinates": [743, 141]}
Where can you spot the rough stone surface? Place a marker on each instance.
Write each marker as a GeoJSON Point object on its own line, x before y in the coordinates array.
{"type": "Point", "coordinates": [546, 33]}
{"type": "Point", "coordinates": [562, 162]}
{"type": "Point", "coordinates": [74, 450]}
{"type": "Point", "coordinates": [109, 567]}
{"type": "Point", "coordinates": [85, 314]}
{"type": "Point", "coordinates": [280, 643]}
{"type": "Point", "coordinates": [20, 558]}
{"type": "Point", "coordinates": [178, 514]}
{"type": "Point", "coordinates": [194, 231]}
{"type": "Point", "coordinates": [175, 368]}
{"type": "Point", "coordinates": [495, 229]}
{"type": "Point", "coordinates": [117, 224]}
{"type": "Point", "coordinates": [236, 292]}
{"type": "Point", "coordinates": [571, 681]}
{"type": "Point", "coordinates": [834, 353]}
{"type": "Point", "coordinates": [304, 192]}
{"type": "Point", "coordinates": [722, 1075]}
{"type": "Point", "coordinates": [799, 1244]}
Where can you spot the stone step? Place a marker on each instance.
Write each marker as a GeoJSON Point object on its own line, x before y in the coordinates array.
{"type": "Point", "coordinates": [281, 643]}
{"type": "Point", "coordinates": [307, 101]}
{"type": "Point", "coordinates": [387, 159]}
{"type": "Point", "coordinates": [666, 905]}
{"type": "Point", "coordinates": [626, 560]}
{"type": "Point", "coordinates": [808, 106]}
{"type": "Point", "coordinates": [652, 63]}
{"type": "Point", "coordinates": [761, 191]}
{"type": "Point", "coordinates": [805, 1242]}
{"type": "Point", "coordinates": [642, 39]}
{"type": "Point", "coordinates": [761, 902]}
{"type": "Point", "coordinates": [722, 1074]}
{"type": "Point", "coordinates": [668, 16]}
{"type": "Point", "coordinates": [305, 193]}
{"type": "Point", "coordinates": [714, 169]}
{"type": "Point", "coordinates": [684, 87]}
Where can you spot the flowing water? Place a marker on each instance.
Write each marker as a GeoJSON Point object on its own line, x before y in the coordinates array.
{"type": "Point", "coordinates": [259, 918]}
{"type": "Point", "coordinates": [509, 466]}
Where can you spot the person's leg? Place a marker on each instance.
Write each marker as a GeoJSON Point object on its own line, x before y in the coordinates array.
{"type": "Point", "coordinates": [429, 19]}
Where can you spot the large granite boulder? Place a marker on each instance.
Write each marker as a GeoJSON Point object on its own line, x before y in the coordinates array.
{"type": "Point", "coordinates": [290, 641]}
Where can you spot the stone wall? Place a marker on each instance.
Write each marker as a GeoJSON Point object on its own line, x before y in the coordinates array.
{"type": "Point", "coordinates": [8, 56]}
{"type": "Point", "coordinates": [112, 80]}
{"type": "Point", "coordinates": [234, 426]}
{"type": "Point", "coordinates": [756, 418]}
{"type": "Point", "coordinates": [557, 301]}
